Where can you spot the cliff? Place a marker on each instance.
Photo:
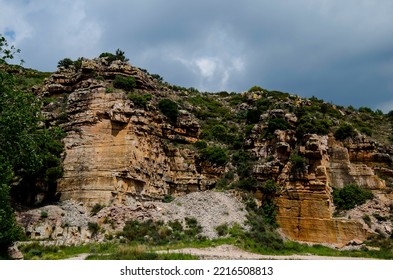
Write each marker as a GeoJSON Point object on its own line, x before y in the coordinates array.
{"type": "Point", "coordinates": [114, 149]}
{"type": "Point", "coordinates": [117, 151]}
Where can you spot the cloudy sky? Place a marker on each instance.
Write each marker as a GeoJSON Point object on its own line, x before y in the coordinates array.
{"type": "Point", "coordinates": [337, 50]}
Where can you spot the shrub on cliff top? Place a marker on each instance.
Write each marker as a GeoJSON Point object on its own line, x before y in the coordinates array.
{"type": "Point", "coordinates": [110, 57]}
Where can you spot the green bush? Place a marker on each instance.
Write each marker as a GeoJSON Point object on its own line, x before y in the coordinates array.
{"type": "Point", "coordinates": [93, 228]}
{"type": "Point", "coordinates": [44, 214]}
{"type": "Point", "coordinates": [366, 131]}
{"type": "Point", "coordinates": [345, 131]}
{"type": "Point", "coordinates": [96, 208]}
{"type": "Point", "coordinates": [168, 198]}
{"type": "Point", "coordinates": [110, 57]}
{"type": "Point", "coordinates": [200, 145]}
{"type": "Point", "coordinates": [222, 229]}
{"type": "Point", "coordinates": [140, 101]}
{"type": "Point", "coordinates": [366, 110]}
{"type": "Point", "coordinates": [214, 155]}
{"type": "Point", "coordinates": [217, 132]}
{"type": "Point", "coordinates": [159, 233]}
{"type": "Point", "coordinates": [255, 89]}
{"type": "Point", "coordinates": [350, 196]}
{"type": "Point", "coordinates": [270, 187]}
{"type": "Point", "coordinates": [170, 109]}
{"type": "Point", "coordinates": [298, 165]}
{"type": "Point", "coordinates": [206, 107]}
{"type": "Point", "coordinates": [66, 63]}
{"type": "Point", "coordinates": [274, 124]}
{"type": "Point", "coordinates": [253, 116]}
{"type": "Point", "coordinates": [261, 232]}
{"type": "Point", "coordinates": [308, 124]}
{"type": "Point", "coordinates": [126, 83]}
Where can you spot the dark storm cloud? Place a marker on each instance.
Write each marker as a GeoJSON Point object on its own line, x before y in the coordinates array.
{"type": "Point", "coordinates": [340, 51]}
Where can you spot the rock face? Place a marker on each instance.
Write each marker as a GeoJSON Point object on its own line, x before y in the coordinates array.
{"type": "Point", "coordinates": [305, 204]}
{"type": "Point", "coordinates": [66, 224]}
{"type": "Point", "coordinates": [114, 149]}
{"type": "Point", "coordinates": [118, 152]}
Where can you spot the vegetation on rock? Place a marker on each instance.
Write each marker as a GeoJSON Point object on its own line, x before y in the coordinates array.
{"type": "Point", "coordinates": [350, 196]}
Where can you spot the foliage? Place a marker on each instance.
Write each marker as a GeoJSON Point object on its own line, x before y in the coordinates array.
{"type": "Point", "coordinates": [96, 208]}
{"type": "Point", "coordinates": [140, 101]}
{"type": "Point", "coordinates": [126, 83]}
{"type": "Point", "coordinates": [110, 57]}
{"type": "Point", "coordinates": [170, 109]}
{"type": "Point", "coordinates": [255, 89]}
{"type": "Point", "coordinates": [237, 99]}
{"type": "Point", "coordinates": [261, 230]}
{"type": "Point", "coordinates": [298, 165]}
{"type": "Point", "coordinates": [140, 253]}
{"type": "Point", "coordinates": [350, 196]}
{"type": "Point", "coordinates": [28, 152]}
{"type": "Point", "coordinates": [206, 107]}
{"type": "Point", "coordinates": [345, 131]}
{"type": "Point", "coordinates": [222, 229]}
{"type": "Point", "coordinates": [366, 130]}
{"type": "Point", "coordinates": [44, 215]}
{"type": "Point", "coordinates": [276, 124]}
{"type": "Point", "coordinates": [93, 228]}
{"type": "Point", "coordinates": [7, 52]}
{"type": "Point", "coordinates": [200, 144]}
{"type": "Point", "coordinates": [366, 110]}
{"type": "Point", "coordinates": [214, 155]}
{"type": "Point", "coordinates": [68, 62]}
{"type": "Point", "coordinates": [269, 187]}
{"type": "Point", "coordinates": [216, 132]}
{"type": "Point", "coordinates": [65, 62]}
{"type": "Point", "coordinates": [160, 233]}
{"type": "Point", "coordinates": [168, 198]}
{"type": "Point", "coordinates": [253, 116]}
{"type": "Point", "coordinates": [308, 124]}
{"type": "Point", "coordinates": [9, 230]}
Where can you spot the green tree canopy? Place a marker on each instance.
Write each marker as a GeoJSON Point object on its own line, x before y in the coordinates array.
{"type": "Point", "coordinates": [28, 151]}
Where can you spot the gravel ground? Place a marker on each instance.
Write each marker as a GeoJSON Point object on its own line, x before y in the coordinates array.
{"type": "Point", "coordinates": [209, 208]}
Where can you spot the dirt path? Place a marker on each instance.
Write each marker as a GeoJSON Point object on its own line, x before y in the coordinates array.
{"type": "Point", "coordinates": [229, 252]}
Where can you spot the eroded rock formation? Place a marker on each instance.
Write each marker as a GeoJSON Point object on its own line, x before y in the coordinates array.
{"type": "Point", "coordinates": [114, 149]}
{"type": "Point", "coordinates": [116, 152]}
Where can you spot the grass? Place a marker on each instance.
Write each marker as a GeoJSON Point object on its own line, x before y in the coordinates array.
{"type": "Point", "coordinates": [116, 251]}
{"type": "Point", "coordinates": [125, 252]}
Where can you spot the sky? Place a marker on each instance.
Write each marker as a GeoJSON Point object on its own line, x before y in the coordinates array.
{"type": "Point", "coordinates": [337, 50]}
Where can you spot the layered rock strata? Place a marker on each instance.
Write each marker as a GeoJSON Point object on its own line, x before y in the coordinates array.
{"type": "Point", "coordinates": [114, 149]}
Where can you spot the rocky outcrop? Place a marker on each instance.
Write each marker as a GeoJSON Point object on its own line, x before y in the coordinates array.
{"type": "Point", "coordinates": [118, 154]}
{"type": "Point", "coordinates": [66, 224]}
{"type": "Point", "coordinates": [114, 149]}
{"type": "Point", "coordinates": [305, 205]}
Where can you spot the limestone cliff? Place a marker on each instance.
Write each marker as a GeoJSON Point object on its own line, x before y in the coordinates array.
{"type": "Point", "coordinates": [117, 151]}
{"type": "Point", "coordinates": [113, 149]}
